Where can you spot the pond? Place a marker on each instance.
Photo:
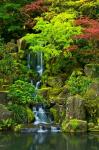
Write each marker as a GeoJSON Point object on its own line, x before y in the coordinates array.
{"type": "Point", "coordinates": [48, 141]}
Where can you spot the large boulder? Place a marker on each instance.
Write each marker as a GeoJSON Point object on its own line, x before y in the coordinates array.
{"type": "Point", "coordinates": [74, 125]}
{"type": "Point", "coordinates": [92, 70]}
{"type": "Point", "coordinates": [4, 113]}
{"type": "Point", "coordinates": [75, 108]}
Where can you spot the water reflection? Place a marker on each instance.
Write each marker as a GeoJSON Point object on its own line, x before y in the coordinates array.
{"type": "Point", "coordinates": [48, 141]}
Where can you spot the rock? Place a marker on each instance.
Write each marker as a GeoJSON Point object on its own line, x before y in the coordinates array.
{"type": "Point", "coordinates": [64, 92]}
{"type": "Point", "coordinates": [55, 82]}
{"type": "Point", "coordinates": [3, 97]}
{"type": "Point", "coordinates": [75, 108]}
{"type": "Point", "coordinates": [58, 112]}
{"type": "Point", "coordinates": [4, 113]}
{"type": "Point", "coordinates": [92, 70]}
{"type": "Point", "coordinates": [53, 92]}
{"type": "Point", "coordinates": [44, 92]}
{"type": "Point", "coordinates": [74, 125]}
{"type": "Point", "coordinates": [94, 129]}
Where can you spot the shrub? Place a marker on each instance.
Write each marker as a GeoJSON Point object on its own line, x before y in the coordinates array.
{"type": "Point", "coordinates": [22, 92]}
{"type": "Point", "coordinates": [19, 113]}
{"type": "Point", "coordinates": [78, 83]}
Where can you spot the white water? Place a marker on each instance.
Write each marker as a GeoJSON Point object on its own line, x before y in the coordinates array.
{"type": "Point", "coordinates": [41, 130]}
{"type": "Point", "coordinates": [40, 116]}
{"type": "Point", "coordinates": [39, 67]}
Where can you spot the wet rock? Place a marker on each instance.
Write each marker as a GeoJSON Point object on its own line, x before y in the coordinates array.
{"type": "Point", "coordinates": [75, 108]}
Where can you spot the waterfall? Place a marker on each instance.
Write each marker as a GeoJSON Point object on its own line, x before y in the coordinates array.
{"type": "Point", "coordinates": [38, 84]}
{"type": "Point", "coordinates": [40, 115]}
{"type": "Point", "coordinates": [39, 67]}
{"type": "Point", "coordinates": [28, 61]}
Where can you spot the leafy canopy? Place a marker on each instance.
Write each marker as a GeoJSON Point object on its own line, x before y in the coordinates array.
{"type": "Point", "coordinates": [53, 36]}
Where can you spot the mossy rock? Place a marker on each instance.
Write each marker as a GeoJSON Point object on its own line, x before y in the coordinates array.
{"type": "Point", "coordinates": [75, 108]}
{"type": "Point", "coordinates": [74, 125]}
{"type": "Point", "coordinates": [4, 113]}
{"type": "Point", "coordinates": [64, 92]}
{"type": "Point", "coordinates": [58, 113]}
{"type": "Point", "coordinates": [94, 129]}
{"type": "Point", "coordinates": [44, 92]}
{"type": "Point", "coordinates": [92, 70]}
{"type": "Point", "coordinates": [55, 82]}
{"type": "Point", "coordinates": [54, 92]}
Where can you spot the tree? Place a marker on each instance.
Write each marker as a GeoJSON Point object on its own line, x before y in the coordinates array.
{"type": "Point", "coordinates": [46, 39]}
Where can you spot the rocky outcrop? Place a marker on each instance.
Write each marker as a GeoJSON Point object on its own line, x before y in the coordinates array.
{"type": "Point", "coordinates": [75, 108]}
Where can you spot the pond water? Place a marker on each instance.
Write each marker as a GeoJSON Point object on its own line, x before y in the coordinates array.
{"type": "Point", "coordinates": [48, 141]}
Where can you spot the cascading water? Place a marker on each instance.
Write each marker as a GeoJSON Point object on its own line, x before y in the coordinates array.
{"type": "Point", "coordinates": [40, 116]}
{"type": "Point", "coordinates": [39, 67]}
{"type": "Point", "coordinates": [28, 60]}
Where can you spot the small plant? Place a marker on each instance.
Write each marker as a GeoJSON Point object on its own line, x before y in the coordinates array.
{"type": "Point", "coordinates": [74, 123]}
{"type": "Point", "coordinates": [6, 124]}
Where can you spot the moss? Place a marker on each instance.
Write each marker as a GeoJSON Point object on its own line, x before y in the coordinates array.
{"type": "Point", "coordinates": [44, 92]}
{"type": "Point", "coordinates": [74, 125]}
{"type": "Point", "coordinates": [55, 82]}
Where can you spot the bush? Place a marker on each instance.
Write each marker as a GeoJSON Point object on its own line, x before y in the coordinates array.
{"type": "Point", "coordinates": [78, 83]}
{"type": "Point", "coordinates": [22, 92]}
{"type": "Point", "coordinates": [19, 113]}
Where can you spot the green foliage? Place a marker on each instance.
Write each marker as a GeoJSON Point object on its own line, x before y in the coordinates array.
{"type": "Point", "coordinates": [74, 123]}
{"type": "Point", "coordinates": [78, 83]}
{"type": "Point", "coordinates": [30, 115]}
{"type": "Point", "coordinates": [19, 113]}
{"type": "Point", "coordinates": [6, 124]}
{"type": "Point", "coordinates": [22, 92]}
{"type": "Point", "coordinates": [92, 104]}
{"type": "Point", "coordinates": [47, 41]}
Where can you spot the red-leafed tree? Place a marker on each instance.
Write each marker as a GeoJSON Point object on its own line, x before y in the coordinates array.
{"type": "Point", "coordinates": [87, 49]}
{"type": "Point", "coordinates": [90, 28]}
{"type": "Point", "coordinates": [32, 10]}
